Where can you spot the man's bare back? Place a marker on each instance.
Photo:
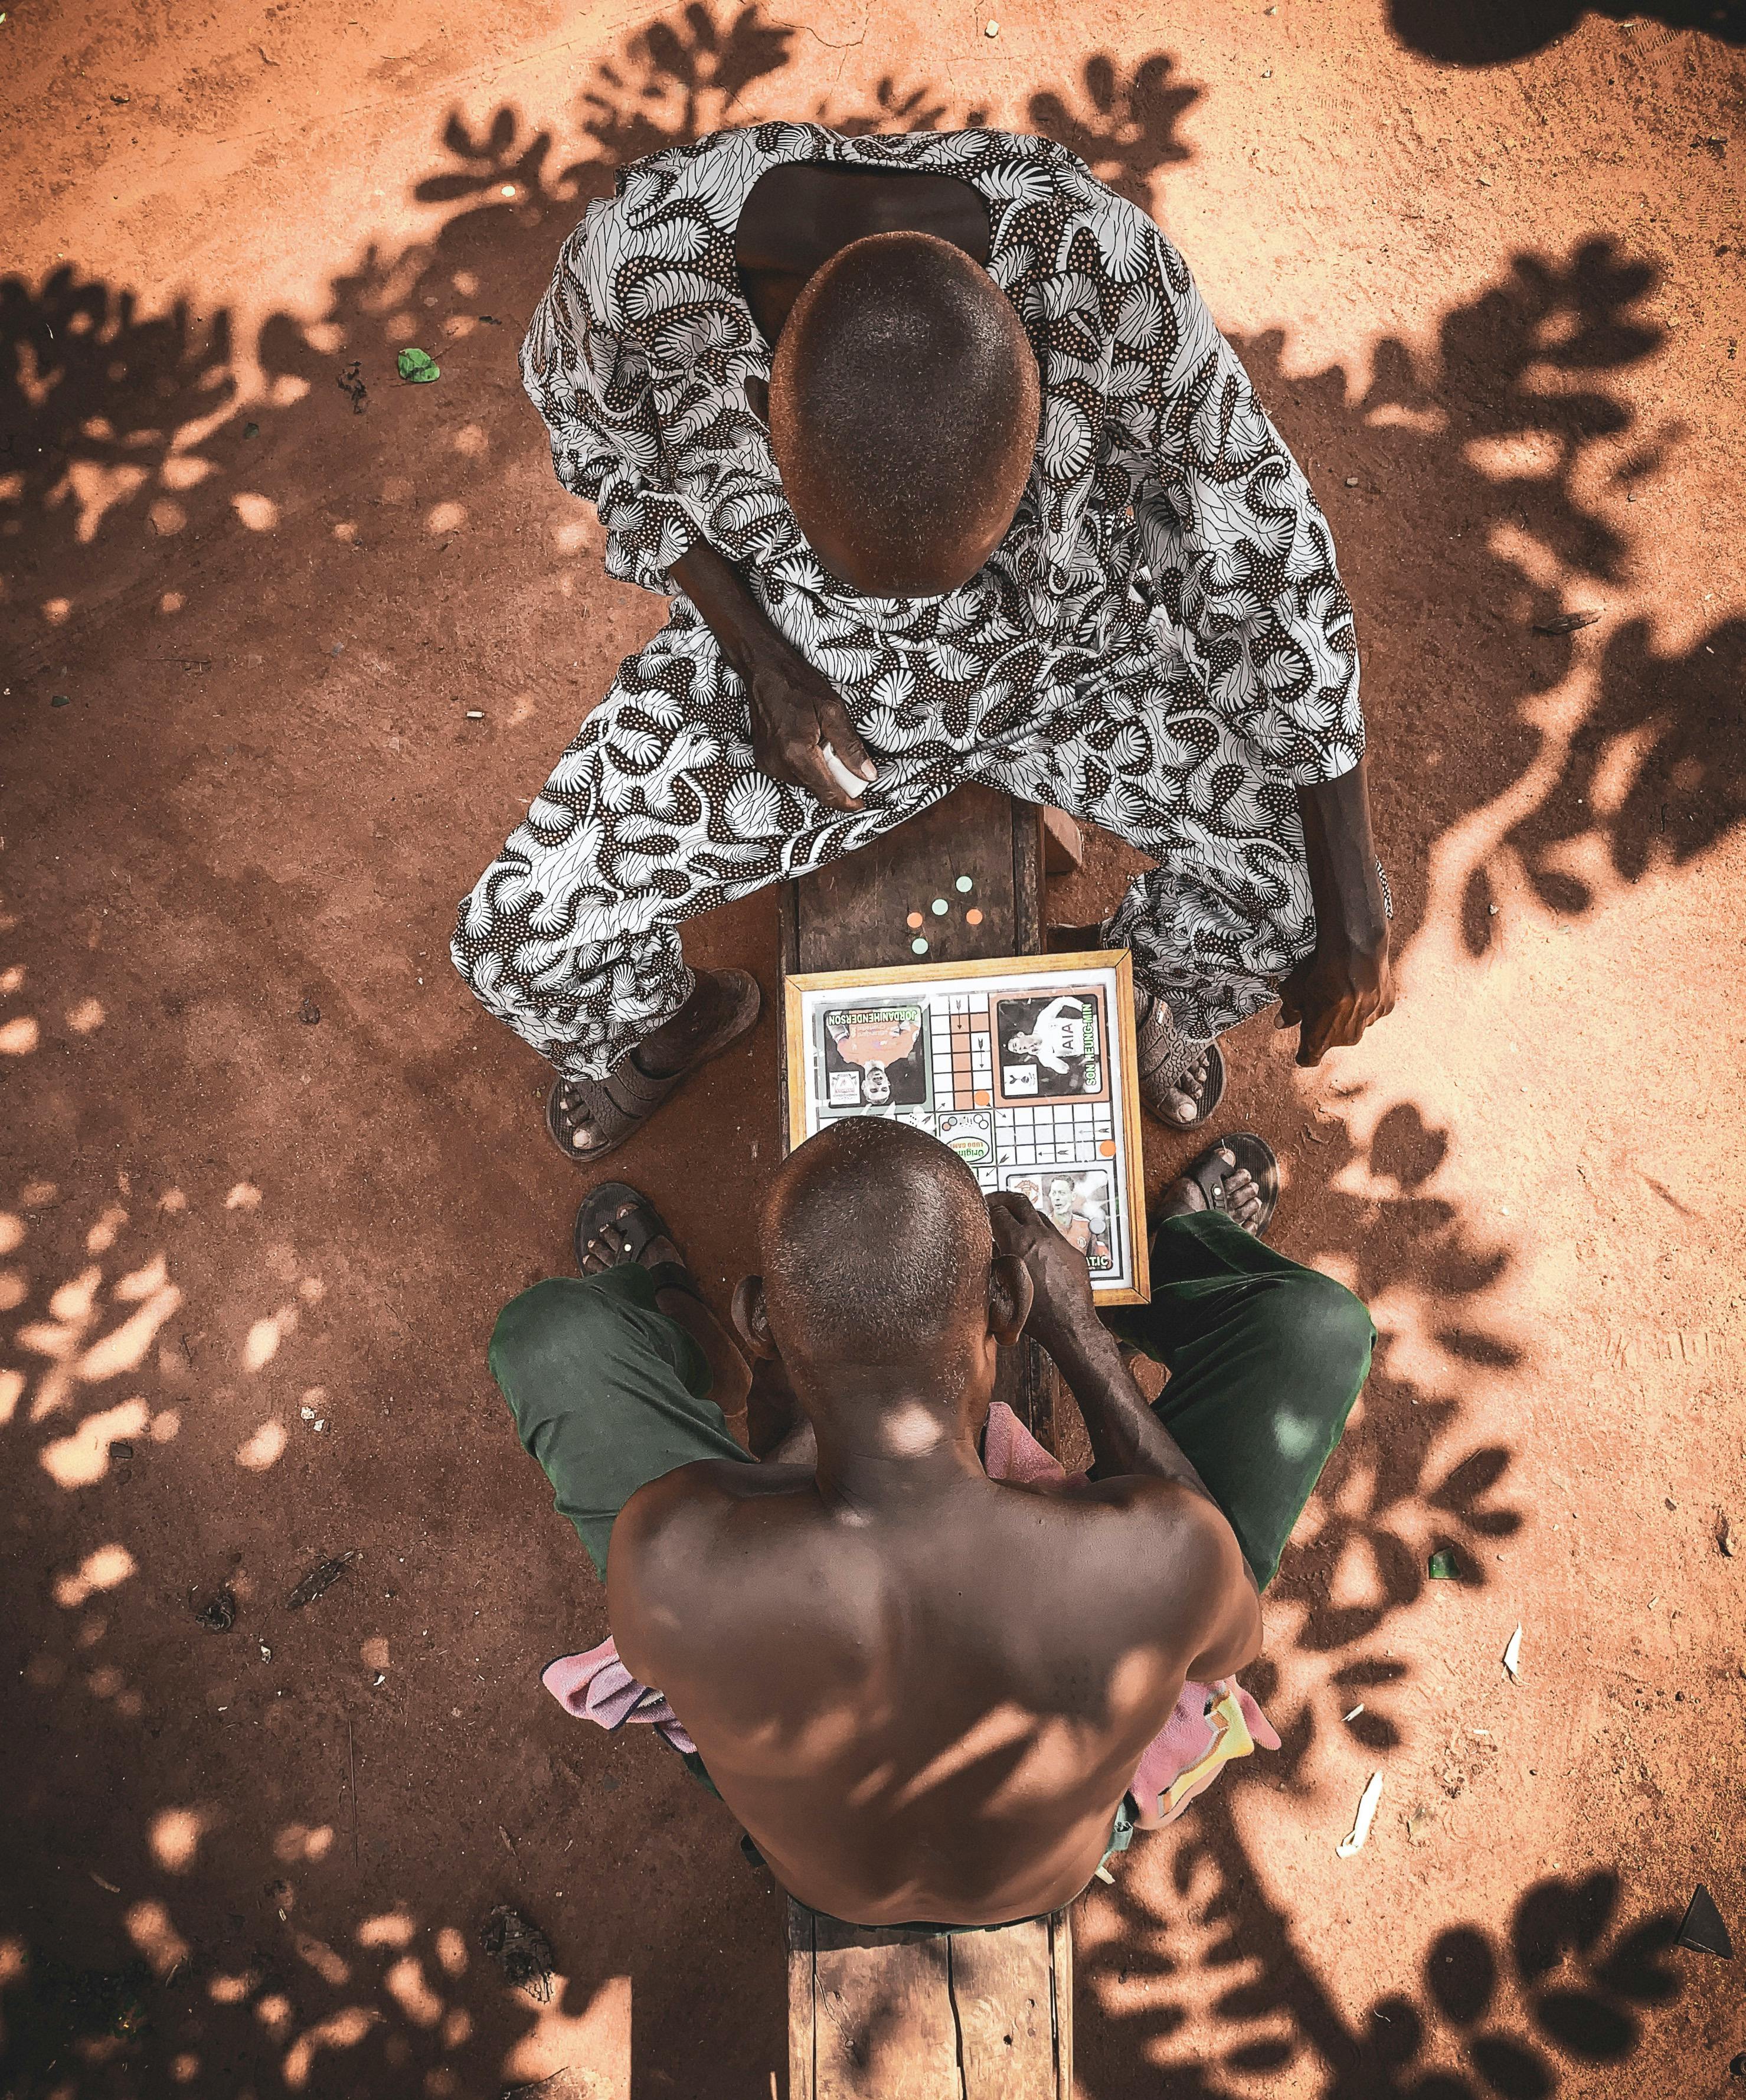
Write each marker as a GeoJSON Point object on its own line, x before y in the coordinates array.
{"type": "Point", "coordinates": [923, 1691]}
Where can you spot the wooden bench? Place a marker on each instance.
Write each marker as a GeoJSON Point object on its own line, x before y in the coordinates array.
{"type": "Point", "coordinates": [881, 2015]}
{"type": "Point", "coordinates": [929, 2016]}
{"type": "Point", "coordinates": [852, 915]}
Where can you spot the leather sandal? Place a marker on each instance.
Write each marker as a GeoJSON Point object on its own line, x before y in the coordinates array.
{"type": "Point", "coordinates": [1159, 1047]}
{"type": "Point", "coordinates": [1208, 1173]}
{"type": "Point", "coordinates": [640, 1224]}
{"type": "Point", "coordinates": [613, 1109]}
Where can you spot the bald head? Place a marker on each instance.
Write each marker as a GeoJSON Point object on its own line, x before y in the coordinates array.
{"type": "Point", "coordinates": [904, 405]}
{"type": "Point", "coordinates": [876, 1245]}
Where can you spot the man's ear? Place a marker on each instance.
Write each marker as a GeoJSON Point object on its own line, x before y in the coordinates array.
{"type": "Point", "coordinates": [751, 1318]}
{"type": "Point", "coordinates": [1009, 1296]}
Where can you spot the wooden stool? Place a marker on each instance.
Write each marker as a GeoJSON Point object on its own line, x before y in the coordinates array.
{"type": "Point", "coordinates": [853, 913]}
{"type": "Point", "coordinates": [904, 2015]}
{"type": "Point", "coordinates": [880, 2015]}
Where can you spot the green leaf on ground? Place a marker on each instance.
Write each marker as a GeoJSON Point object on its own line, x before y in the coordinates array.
{"type": "Point", "coordinates": [418, 367]}
{"type": "Point", "coordinates": [1443, 1568]}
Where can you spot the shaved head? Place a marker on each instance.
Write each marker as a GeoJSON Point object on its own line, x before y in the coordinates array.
{"type": "Point", "coordinates": [876, 1244]}
{"type": "Point", "coordinates": [904, 407]}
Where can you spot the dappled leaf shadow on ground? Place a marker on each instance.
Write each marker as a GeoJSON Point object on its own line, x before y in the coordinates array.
{"type": "Point", "coordinates": [123, 445]}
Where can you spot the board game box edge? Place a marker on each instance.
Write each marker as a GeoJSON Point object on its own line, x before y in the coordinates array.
{"type": "Point", "coordinates": [796, 987]}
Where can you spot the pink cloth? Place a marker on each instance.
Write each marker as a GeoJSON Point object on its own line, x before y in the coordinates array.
{"type": "Point", "coordinates": [596, 1686]}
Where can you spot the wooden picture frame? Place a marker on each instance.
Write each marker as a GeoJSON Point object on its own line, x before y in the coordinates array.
{"type": "Point", "coordinates": [1107, 1103]}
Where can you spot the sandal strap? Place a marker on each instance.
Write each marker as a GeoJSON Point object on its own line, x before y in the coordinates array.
{"type": "Point", "coordinates": [634, 1091]}
{"type": "Point", "coordinates": [613, 1106]}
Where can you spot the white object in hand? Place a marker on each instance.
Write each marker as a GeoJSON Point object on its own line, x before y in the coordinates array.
{"type": "Point", "coordinates": [1364, 1818]}
{"type": "Point", "coordinates": [851, 783]}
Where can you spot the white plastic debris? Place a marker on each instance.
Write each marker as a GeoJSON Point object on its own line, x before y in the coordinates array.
{"type": "Point", "coordinates": [1512, 1656]}
{"type": "Point", "coordinates": [1356, 1711]}
{"type": "Point", "coordinates": [1353, 1841]}
{"type": "Point", "coordinates": [851, 783]}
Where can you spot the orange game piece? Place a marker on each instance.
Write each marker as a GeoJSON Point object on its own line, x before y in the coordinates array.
{"type": "Point", "coordinates": [982, 1100]}
{"type": "Point", "coordinates": [914, 920]}
{"type": "Point", "coordinates": [1106, 1149]}
{"type": "Point", "coordinates": [972, 917]}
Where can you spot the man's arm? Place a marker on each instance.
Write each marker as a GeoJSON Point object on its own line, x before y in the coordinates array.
{"type": "Point", "coordinates": [1235, 538]}
{"type": "Point", "coordinates": [1212, 1585]}
{"type": "Point", "coordinates": [795, 710]}
{"type": "Point", "coordinates": [1347, 983]}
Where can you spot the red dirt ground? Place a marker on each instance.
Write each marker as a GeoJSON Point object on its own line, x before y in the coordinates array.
{"type": "Point", "coordinates": [1486, 268]}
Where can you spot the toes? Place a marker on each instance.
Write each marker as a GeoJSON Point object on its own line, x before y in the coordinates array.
{"type": "Point", "coordinates": [1181, 1108]}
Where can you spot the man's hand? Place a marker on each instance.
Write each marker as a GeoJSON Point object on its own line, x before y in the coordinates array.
{"type": "Point", "coordinates": [1336, 993]}
{"type": "Point", "coordinates": [1061, 1306]}
{"type": "Point", "coordinates": [794, 713]}
{"type": "Point", "coordinates": [795, 710]}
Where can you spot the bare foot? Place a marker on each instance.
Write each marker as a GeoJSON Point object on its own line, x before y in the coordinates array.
{"type": "Point", "coordinates": [1174, 1105]}
{"type": "Point", "coordinates": [610, 1248]}
{"type": "Point", "coordinates": [1244, 1203]}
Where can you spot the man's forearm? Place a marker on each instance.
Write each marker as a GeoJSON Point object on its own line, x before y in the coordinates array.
{"type": "Point", "coordinates": [1126, 1436]}
{"type": "Point", "coordinates": [728, 608]}
{"type": "Point", "coordinates": [1342, 857]}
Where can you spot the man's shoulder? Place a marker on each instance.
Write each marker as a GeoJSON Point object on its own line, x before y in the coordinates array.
{"type": "Point", "coordinates": [687, 1505]}
{"type": "Point", "coordinates": [1159, 1535]}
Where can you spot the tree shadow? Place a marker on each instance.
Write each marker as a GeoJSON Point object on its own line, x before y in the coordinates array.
{"type": "Point", "coordinates": [1479, 33]}
{"type": "Point", "coordinates": [123, 450]}
{"type": "Point", "coordinates": [1498, 2015]}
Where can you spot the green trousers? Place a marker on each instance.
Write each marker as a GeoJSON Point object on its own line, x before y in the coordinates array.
{"type": "Point", "coordinates": [1265, 1359]}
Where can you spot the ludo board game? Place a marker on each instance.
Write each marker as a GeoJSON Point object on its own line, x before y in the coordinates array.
{"type": "Point", "coordinates": [1025, 1068]}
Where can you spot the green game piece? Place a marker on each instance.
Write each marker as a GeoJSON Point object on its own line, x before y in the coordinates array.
{"type": "Point", "coordinates": [939, 907]}
{"type": "Point", "coordinates": [918, 946]}
{"type": "Point", "coordinates": [1443, 1566]}
{"type": "Point", "coordinates": [418, 367]}
{"type": "Point", "coordinates": [964, 884]}
{"type": "Point", "coordinates": [61, 700]}
{"type": "Point", "coordinates": [251, 430]}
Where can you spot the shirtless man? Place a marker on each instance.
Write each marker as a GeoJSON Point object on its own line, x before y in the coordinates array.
{"type": "Point", "coordinates": [933, 444]}
{"type": "Point", "coordinates": [924, 1693]}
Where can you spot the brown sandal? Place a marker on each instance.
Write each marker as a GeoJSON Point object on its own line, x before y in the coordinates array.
{"type": "Point", "coordinates": [613, 1109]}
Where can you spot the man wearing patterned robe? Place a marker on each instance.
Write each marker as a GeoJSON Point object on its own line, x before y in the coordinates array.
{"type": "Point", "coordinates": [1143, 625]}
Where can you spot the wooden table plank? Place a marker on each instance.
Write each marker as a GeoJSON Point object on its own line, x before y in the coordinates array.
{"type": "Point", "coordinates": [1061, 1963]}
{"type": "Point", "coordinates": [883, 2025]}
{"type": "Point", "coordinates": [851, 914]}
{"type": "Point", "coordinates": [802, 2046]}
{"type": "Point", "coordinates": [1003, 1996]}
